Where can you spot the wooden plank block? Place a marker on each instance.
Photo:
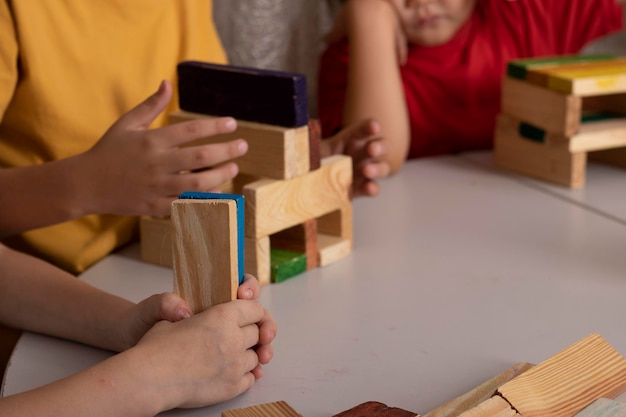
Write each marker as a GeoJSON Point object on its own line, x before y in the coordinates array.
{"type": "Point", "coordinates": [549, 110]}
{"type": "Point", "coordinates": [375, 409]}
{"type": "Point", "coordinates": [595, 136]}
{"type": "Point", "coordinates": [554, 164]}
{"type": "Point", "coordinates": [275, 409]}
{"type": "Point", "coordinates": [315, 144]}
{"type": "Point", "coordinates": [273, 151]}
{"type": "Point", "coordinates": [301, 238]}
{"type": "Point", "coordinates": [479, 394]}
{"type": "Point", "coordinates": [205, 252]}
{"type": "Point", "coordinates": [272, 206]}
{"type": "Point", "coordinates": [567, 382]}
{"type": "Point", "coordinates": [155, 236]}
{"type": "Point", "coordinates": [257, 258]}
{"type": "Point", "coordinates": [540, 75]}
{"type": "Point", "coordinates": [589, 82]}
{"type": "Point", "coordinates": [604, 407]}
{"type": "Point", "coordinates": [519, 68]}
{"type": "Point", "coordinates": [286, 264]}
{"type": "Point", "coordinates": [258, 95]}
{"type": "Point", "coordinates": [493, 407]}
{"type": "Point", "coordinates": [332, 248]}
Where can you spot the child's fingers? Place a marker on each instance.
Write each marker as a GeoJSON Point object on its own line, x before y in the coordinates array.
{"type": "Point", "coordinates": [249, 288]}
{"type": "Point", "coordinates": [166, 306]}
{"type": "Point", "coordinates": [203, 156]}
{"type": "Point", "coordinates": [144, 114]}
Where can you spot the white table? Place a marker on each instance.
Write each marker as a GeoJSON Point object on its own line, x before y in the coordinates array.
{"type": "Point", "coordinates": [458, 272]}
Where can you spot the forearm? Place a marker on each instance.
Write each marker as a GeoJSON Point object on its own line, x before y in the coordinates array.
{"type": "Point", "coordinates": [39, 297]}
{"type": "Point", "coordinates": [123, 385]}
{"type": "Point", "coordinates": [37, 196]}
{"type": "Point", "coordinates": [374, 83]}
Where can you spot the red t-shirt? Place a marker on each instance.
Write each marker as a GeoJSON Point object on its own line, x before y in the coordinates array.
{"type": "Point", "coordinates": [453, 90]}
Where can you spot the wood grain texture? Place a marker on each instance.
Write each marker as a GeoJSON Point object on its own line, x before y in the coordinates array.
{"type": "Point", "coordinates": [493, 407]}
{"type": "Point", "coordinates": [332, 248]}
{"type": "Point", "coordinates": [604, 407]}
{"type": "Point", "coordinates": [553, 164]}
{"type": "Point", "coordinates": [272, 206]}
{"type": "Point", "coordinates": [273, 151]}
{"type": "Point", "coordinates": [481, 393]}
{"type": "Point", "coordinates": [155, 236]}
{"type": "Point", "coordinates": [315, 144]}
{"type": "Point", "coordinates": [567, 382]}
{"type": "Point", "coordinates": [549, 110]}
{"type": "Point", "coordinates": [375, 409]}
{"type": "Point", "coordinates": [275, 409]}
{"type": "Point", "coordinates": [205, 252]}
{"type": "Point", "coordinates": [257, 258]}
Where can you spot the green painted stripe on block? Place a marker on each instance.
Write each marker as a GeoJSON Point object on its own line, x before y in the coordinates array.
{"type": "Point", "coordinates": [519, 68]}
{"type": "Point", "coordinates": [599, 116]}
{"type": "Point", "coordinates": [286, 264]}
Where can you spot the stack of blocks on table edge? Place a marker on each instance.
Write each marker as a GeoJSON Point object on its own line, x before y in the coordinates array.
{"type": "Point", "coordinates": [557, 109]}
{"type": "Point", "coordinates": [298, 212]}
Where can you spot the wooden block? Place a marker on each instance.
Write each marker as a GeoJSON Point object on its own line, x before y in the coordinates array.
{"type": "Point", "coordinates": [332, 248]}
{"type": "Point", "coordinates": [275, 409]}
{"type": "Point", "coordinates": [614, 103]}
{"type": "Point", "coordinates": [493, 407]}
{"type": "Point", "coordinates": [554, 164]}
{"type": "Point", "coordinates": [257, 259]}
{"type": "Point", "coordinates": [253, 94]}
{"type": "Point", "coordinates": [604, 407]}
{"type": "Point", "coordinates": [375, 409]}
{"type": "Point", "coordinates": [301, 238]}
{"type": "Point", "coordinates": [156, 240]}
{"type": "Point", "coordinates": [315, 144]}
{"type": "Point", "coordinates": [519, 68]}
{"type": "Point", "coordinates": [205, 252]}
{"type": "Point", "coordinates": [549, 110]}
{"type": "Point", "coordinates": [589, 82]}
{"type": "Point", "coordinates": [272, 206]}
{"type": "Point", "coordinates": [567, 382]}
{"type": "Point", "coordinates": [337, 223]}
{"type": "Point", "coordinates": [286, 264]}
{"type": "Point", "coordinates": [615, 157]}
{"type": "Point", "coordinates": [273, 151]}
{"type": "Point", "coordinates": [540, 75]}
{"type": "Point", "coordinates": [479, 394]}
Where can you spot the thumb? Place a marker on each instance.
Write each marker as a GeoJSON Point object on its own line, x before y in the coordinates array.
{"type": "Point", "coordinates": [144, 114]}
{"type": "Point", "coordinates": [166, 306]}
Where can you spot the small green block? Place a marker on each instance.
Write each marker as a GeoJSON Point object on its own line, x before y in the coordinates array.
{"type": "Point", "coordinates": [286, 264]}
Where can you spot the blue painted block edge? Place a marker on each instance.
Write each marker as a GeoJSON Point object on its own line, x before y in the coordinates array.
{"type": "Point", "coordinates": [239, 201]}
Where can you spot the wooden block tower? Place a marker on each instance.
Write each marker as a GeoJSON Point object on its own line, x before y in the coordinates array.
{"type": "Point", "coordinates": [555, 110]}
{"type": "Point", "coordinates": [298, 213]}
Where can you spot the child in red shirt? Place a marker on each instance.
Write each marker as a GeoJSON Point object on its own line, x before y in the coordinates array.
{"type": "Point", "coordinates": [429, 71]}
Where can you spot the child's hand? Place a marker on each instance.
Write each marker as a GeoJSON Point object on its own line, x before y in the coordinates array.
{"type": "Point", "coordinates": [134, 170]}
{"type": "Point", "coordinates": [208, 358]}
{"type": "Point", "coordinates": [362, 142]}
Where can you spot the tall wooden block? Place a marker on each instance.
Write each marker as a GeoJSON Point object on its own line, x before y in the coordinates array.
{"type": "Point", "coordinates": [315, 143]}
{"type": "Point", "coordinates": [273, 151]}
{"type": "Point", "coordinates": [257, 258]}
{"type": "Point", "coordinates": [524, 156]}
{"type": "Point", "coordinates": [301, 238]}
{"type": "Point", "coordinates": [549, 110]}
{"type": "Point", "coordinates": [569, 381]}
{"type": "Point", "coordinates": [275, 409]}
{"type": "Point", "coordinates": [272, 206]}
{"type": "Point", "coordinates": [156, 240]}
{"type": "Point", "coordinates": [205, 251]}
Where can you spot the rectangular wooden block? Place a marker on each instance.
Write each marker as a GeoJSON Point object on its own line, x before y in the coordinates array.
{"type": "Point", "coordinates": [315, 144]}
{"type": "Point", "coordinates": [258, 95]}
{"type": "Point", "coordinates": [375, 409]}
{"type": "Point", "coordinates": [301, 238]}
{"type": "Point", "coordinates": [273, 151]}
{"type": "Point", "coordinates": [540, 75]}
{"type": "Point", "coordinates": [275, 409]}
{"type": "Point", "coordinates": [205, 252]}
{"type": "Point", "coordinates": [589, 82]}
{"type": "Point", "coordinates": [155, 234]}
{"type": "Point", "coordinates": [519, 68]}
{"type": "Point", "coordinates": [286, 264]}
{"type": "Point", "coordinates": [272, 206]}
{"type": "Point", "coordinates": [524, 156]}
{"type": "Point", "coordinates": [549, 110]}
{"type": "Point", "coordinates": [257, 259]}
{"type": "Point", "coordinates": [569, 381]}
{"type": "Point", "coordinates": [332, 248]}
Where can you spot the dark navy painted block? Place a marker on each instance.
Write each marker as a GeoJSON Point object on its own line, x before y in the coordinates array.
{"type": "Point", "coordinates": [252, 94]}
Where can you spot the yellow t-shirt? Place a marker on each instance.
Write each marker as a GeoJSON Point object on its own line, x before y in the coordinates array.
{"type": "Point", "coordinates": [68, 70]}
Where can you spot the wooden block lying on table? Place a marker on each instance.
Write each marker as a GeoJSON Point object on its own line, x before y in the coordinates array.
{"type": "Point", "coordinates": [541, 75]}
{"type": "Point", "coordinates": [206, 254]}
{"type": "Point", "coordinates": [375, 409]}
{"type": "Point", "coordinates": [479, 394]}
{"type": "Point", "coordinates": [273, 151]}
{"type": "Point", "coordinates": [589, 82]}
{"type": "Point", "coordinates": [569, 381]}
{"type": "Point", "coordinates": [549, 110]}
{"type": "Point", "coordinates": [519, 68]}
{"type": "Point", "coordinates": [286, 264]}
{"type": "Point", "coordinates": [301, 238]}
{"type": "Point", "coordinates": [272, 206]}
{"type": "Point", "coordinates": [604, 407]}
{"type": "Point", "coordinates": [275, 409]}
{"type": "Point", "coordinates": [524, 156]}
{"type": "Point", "coordinates": [257, 259]}
{"type": "Point", "coordinates": [156, 240]}
{"type": "Point", "coordinates": [258, 95]}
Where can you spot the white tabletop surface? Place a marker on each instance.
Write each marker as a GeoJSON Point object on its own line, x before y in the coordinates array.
{"type": "Point", "coordinates": [458, 272]}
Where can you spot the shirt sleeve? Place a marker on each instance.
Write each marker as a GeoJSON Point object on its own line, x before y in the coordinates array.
{"type": "Point", "coordinates": [8, 56]}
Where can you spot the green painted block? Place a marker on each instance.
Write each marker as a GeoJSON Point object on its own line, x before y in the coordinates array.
{"type": "Point", "coordinates": [520, 67]}
{"type": "Point", "coordinates": [286, 264]}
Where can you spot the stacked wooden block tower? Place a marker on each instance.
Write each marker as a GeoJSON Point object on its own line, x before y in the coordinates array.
{"type": "Point", "coordinates": [298, 212]}
{"type": "Point", "coordinates": [557, 109]}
